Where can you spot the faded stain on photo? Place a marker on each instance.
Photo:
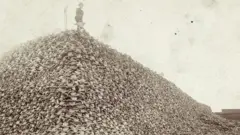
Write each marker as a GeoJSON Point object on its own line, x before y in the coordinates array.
{"type": "Point", "coordinates": [209, 3]}
{"type": "Point", "coordinates": [107, 33]}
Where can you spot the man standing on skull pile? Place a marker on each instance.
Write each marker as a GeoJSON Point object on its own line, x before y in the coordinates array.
{"type": "Point", "coordinates": [79, 17]}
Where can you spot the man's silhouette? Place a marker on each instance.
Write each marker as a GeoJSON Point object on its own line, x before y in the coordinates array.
{"type": "Point", "coordinates": [79, 16]}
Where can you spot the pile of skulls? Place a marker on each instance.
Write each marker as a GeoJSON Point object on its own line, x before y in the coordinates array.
{"type": "Point", "coordinates": [71, 84]}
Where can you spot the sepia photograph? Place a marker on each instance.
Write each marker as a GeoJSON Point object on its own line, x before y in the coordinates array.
{"type": "Point", "coordinates": [119, 67]}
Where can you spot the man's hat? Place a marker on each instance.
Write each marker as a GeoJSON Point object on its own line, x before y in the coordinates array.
{"type": "Point", "coordinates": [80, 4]}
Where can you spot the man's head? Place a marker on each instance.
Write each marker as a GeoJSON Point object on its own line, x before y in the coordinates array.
{"type": "Point", "coordinates": [80, 5]}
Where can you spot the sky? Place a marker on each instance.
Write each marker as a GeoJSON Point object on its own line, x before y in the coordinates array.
{"type": "Point", "coordinates": [194, 43]}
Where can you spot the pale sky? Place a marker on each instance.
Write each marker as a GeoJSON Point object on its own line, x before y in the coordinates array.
{"type": "Point", "coordinates": [200, 57]}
